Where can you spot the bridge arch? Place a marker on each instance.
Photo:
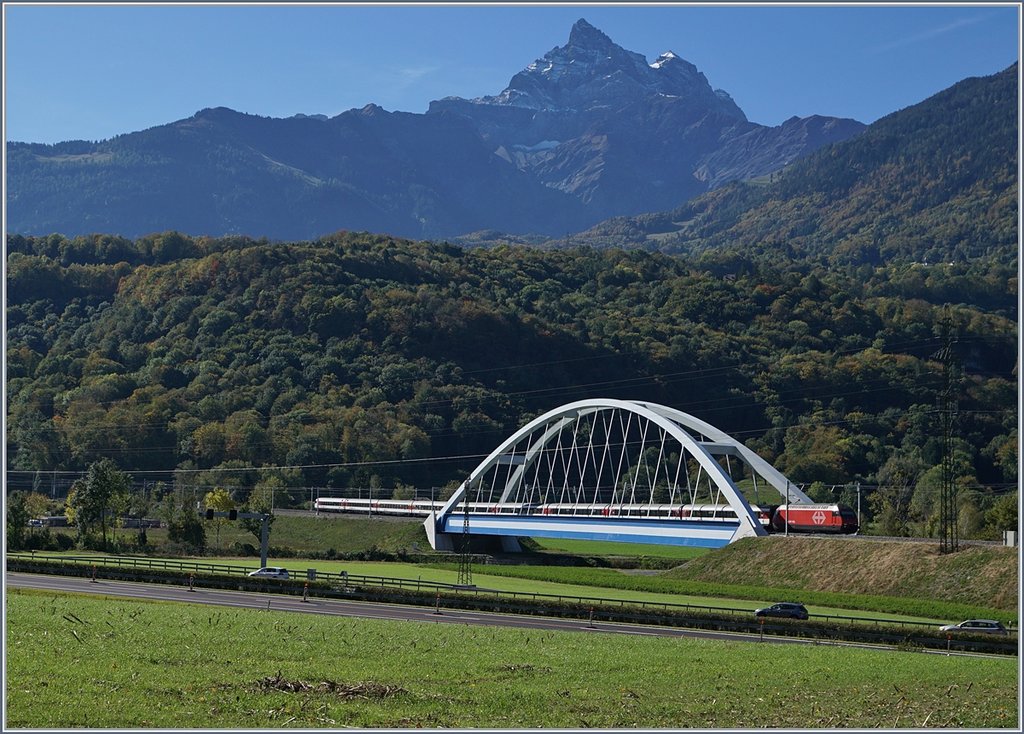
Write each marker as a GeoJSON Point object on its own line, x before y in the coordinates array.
{"type": "Point", "coordinates": [609, 457]}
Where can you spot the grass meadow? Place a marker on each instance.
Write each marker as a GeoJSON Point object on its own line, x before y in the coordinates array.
{"type": "Point", "coordinates": [306, 533]}
{"type": "Point", "coordinates": [83, 661]}
{"type": "Point", "coordinates": [353, 533]}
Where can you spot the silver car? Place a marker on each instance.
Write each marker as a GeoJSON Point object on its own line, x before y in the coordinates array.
{"type": "Point", "coordinates": [990, 626]}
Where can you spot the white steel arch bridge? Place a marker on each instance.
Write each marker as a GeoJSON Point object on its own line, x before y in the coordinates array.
{"type": "Point", "coordinates": [622, 470]}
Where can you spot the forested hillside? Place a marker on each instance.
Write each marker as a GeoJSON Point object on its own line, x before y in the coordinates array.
{"type": "Point", "coordinates": [359, 359]}
{"type": "Point", "coordinates": [935, 182]}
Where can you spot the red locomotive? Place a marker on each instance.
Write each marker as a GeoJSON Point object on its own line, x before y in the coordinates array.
{"type": "Point", "coordinates": [814, 519]}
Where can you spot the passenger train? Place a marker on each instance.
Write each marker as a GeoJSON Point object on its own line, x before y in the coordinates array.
{"type": "Point", "coordinates": [802, 518]}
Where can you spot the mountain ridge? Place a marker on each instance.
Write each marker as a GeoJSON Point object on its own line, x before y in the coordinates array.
{"type": "Point", "coordinates": [635, 137]}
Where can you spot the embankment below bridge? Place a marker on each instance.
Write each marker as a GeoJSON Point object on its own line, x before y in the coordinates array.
{"type": "Point", "coordinates": [980, 575]}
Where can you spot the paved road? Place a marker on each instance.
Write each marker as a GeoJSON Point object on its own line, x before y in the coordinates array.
{"type": "Point", "coordinates": [374, 610]}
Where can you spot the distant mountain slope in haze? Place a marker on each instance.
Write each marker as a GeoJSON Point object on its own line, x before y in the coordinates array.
{"type": "Point", "coordinates": [587, 132]}
{"type": "Point", "coordinates": [933, 182]}
{"type": "Point", "coordinates": [224, 171]}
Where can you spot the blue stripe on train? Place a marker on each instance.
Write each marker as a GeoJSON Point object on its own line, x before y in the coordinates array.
{"type": "Point", "coordinates": [693, 533]}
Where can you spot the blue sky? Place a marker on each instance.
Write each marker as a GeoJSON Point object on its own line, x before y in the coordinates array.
{"type": "Point", "coordinates": [91, 72]}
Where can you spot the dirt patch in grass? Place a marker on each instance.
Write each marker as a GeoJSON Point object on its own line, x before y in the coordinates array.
{"type": "Point", "coordinates": [368, 690]}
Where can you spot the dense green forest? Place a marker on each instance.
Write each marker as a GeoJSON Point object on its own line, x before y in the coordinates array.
{"type": "Point", "coordinates": [363, 360]}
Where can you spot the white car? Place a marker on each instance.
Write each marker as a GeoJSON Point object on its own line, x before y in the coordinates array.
{"type": "Point", "coordinates": [273, 572]}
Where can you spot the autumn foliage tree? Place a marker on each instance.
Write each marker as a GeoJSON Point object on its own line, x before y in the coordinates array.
{"type": "Point", "coordinates": [218, 500]}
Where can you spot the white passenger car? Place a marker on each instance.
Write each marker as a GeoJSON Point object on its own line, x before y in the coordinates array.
{"type": "Point", "coordinates": [273, 572]}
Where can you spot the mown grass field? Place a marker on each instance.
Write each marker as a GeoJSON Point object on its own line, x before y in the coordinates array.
{"type": "Point", "coordinates": [357, 533]}
{"type": "Point", "coordinates": [308, 533]}
{"type": "Point", "coordinates": [79, 661]}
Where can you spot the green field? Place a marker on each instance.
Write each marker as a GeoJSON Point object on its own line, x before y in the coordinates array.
{"type": "Point", "coordinates": [308, 533]}
{"type": "Point", "coordinates": [77, 661]}
{"type": "Point", "coordinates": [354, 533]}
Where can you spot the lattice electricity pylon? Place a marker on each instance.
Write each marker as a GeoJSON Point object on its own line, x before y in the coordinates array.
{"type": "Point", "coordinates": [465, 557]}
{"type": "Point", "coordinates": [949, 533]}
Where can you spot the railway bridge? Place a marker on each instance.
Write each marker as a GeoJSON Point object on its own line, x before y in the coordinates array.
{"type": "Point", "coordinates": [620, 470]}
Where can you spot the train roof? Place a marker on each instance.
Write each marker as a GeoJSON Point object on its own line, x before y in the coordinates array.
{"type": "Point", "coordinates": [811, 506]}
